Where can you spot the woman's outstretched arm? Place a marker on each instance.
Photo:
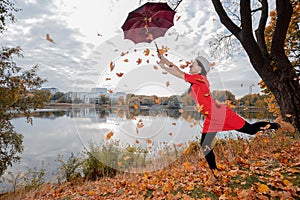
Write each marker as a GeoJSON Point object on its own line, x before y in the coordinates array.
{"type": "Point", "coordinates": [170, 67]}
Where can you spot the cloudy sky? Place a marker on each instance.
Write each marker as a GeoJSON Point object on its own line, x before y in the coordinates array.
{"type": "Point", "coordinates": [87, 37]}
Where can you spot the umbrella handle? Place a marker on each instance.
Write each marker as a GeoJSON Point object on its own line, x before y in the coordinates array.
{"type": "Point", "coordinates": [156, 47]}
{"type": "Point", "coordinates": [177, 5]}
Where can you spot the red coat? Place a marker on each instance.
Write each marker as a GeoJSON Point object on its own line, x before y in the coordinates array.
{"type": "Point", "coordinates": [218, 117]}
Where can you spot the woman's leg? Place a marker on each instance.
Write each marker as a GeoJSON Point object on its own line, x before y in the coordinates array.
{"type": "Point", "coordinates": [258, 126]}
{"type": "Point", "coordinates": [206, 144]}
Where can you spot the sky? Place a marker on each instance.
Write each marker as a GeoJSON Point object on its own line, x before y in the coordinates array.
{"type": "Point", "coordinates": [88, 37]}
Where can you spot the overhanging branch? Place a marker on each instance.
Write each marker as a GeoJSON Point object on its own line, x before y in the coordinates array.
{"type": "Point", "coordinates": [225, 20]}
{"type": "Point", "coordinates": [259, 32]}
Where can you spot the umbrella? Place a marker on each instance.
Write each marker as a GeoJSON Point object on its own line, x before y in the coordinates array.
{"type": "Point", "coordinates": [148, 22]}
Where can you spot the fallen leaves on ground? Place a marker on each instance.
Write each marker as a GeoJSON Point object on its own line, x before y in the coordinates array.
{"type": "Point", "coordinates": [248, 169]}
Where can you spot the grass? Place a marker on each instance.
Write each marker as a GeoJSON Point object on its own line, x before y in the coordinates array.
{"type": "Point", "coordinates": [265, 167]}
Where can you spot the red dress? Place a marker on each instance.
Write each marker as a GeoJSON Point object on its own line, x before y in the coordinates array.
{"type": "Point", "coordinates": [218, 117]}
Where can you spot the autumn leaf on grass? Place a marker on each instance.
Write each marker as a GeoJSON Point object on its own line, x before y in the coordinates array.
{"type": "Point", "coordinates": [139, 61]}
{"type": "Point", "coordinates": [168, 84]}
{"type": "Point", "coordinates": [120, 74]}
{"type": "Point", "coordinates": [146, 52]}
{"type": "Point", "coordinates": [262, 188]}
{"type": "Point", "coordinates": [109, 135]}
{"type": "Point", "coordinates": [111, 66]}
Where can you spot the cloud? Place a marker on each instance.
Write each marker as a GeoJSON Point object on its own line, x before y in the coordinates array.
{"type": "Point", "coordinates": [78, 53]}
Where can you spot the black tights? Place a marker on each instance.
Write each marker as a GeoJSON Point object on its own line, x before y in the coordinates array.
{"type": "Point", "coordinates": [207, 138]}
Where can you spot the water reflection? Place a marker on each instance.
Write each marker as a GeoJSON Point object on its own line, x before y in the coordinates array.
{"type": "Point", "coordinates": [62, 131]}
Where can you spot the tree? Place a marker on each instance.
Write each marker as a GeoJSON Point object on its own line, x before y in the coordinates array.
{"type": "Point", "coordinates": [17, 94]}
{"type": "Point", "coordinates": [272, 64]}
{"type": "Point", "coordinates": [223, 95]}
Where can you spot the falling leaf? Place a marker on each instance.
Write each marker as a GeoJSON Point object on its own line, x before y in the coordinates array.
{"type": "Point", "coordinates": [200, 80]}
{"type": "Point", "coordinates": [123, 53]}
{"type": "Point", "coordinates": [110, 91]}
{"type": "Point", "coordinates": [155, 67]}
{"type": "Point", "coordinates": [109, 135]}
{"type": "Point", "coordinates": [139, 61]}
{"type": "Point", "coordinates": [167, 83]}
{"type": "Point", "coordinates": [137, 142]}
{"type": "Point", "coordinates": [173, 123]}
{"type": "Point", "coordinates": [199, 107]}
{"type": "Point", "coordinates": [149, 141]}
{"type": "Point", "coordinates": [126, 60]}
{"type": "Point", "coordinates": [111, 66]}
{"type": "Point", "coordinates": [178, 18]}
{"type": "Point", "coordinates": [135, 106]}
{"type": "Point", "coordinates": [119, 74]}
{"type": "Point", "coordinates": [147, 61]}
{"type": "Point", "coordinates": [170, 134]}
{"type": "Point", "coordinates": [146, 52]}
{"type": "Point", "coordinates": [49, 38]}
{"type": "Point", "coordinates": [288, 115]}
{"type": "Point", "coordinates": [212, 64]}
{"type": "Point", "coordinates": [107, 79]}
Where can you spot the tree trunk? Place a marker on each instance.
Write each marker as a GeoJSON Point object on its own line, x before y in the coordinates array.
{"type": "Point", "coordinates": [272, 66]}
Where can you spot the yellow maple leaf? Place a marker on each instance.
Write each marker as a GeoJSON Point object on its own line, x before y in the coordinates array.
{"type": "Point", "coordinates": [262, 188]}
{"type": "Point", "coordinates": [146, 52]}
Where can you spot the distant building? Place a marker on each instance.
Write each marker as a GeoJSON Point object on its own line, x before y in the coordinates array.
{"type": "Point", "coordinates": [51, 90]}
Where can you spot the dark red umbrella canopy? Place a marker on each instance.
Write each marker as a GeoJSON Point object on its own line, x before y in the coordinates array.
{"type": "Point", "coordinates": [148, 22]}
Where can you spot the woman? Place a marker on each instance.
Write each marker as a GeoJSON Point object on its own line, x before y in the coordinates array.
{"type": "Point", "coordinates": [218, 117]}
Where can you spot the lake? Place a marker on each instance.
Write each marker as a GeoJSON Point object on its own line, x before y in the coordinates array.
{"type": "Point", "coordinates": [63, 131]}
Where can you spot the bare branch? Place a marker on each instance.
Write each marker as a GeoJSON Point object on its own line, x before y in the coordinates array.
{"type": "Point", "coordinates": [225, 20]}
{"type": "Point", "coordinates": [259, 32]}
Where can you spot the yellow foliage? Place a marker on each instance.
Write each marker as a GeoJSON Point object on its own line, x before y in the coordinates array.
{"type": "Point", "coordinates": [262, 188]}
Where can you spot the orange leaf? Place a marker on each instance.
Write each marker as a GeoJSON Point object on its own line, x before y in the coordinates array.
{"type": "Point", "coordinates": [135, 106]}
{"type": "Point", "coordinates": [200, 80]}
{"type": "Point", "coordinates": [110, 91]}
{"type": "Point", "coordinates": [91, 193]}
{"type": "Point", "coordinates": [112, 66]}
{"type": "Point", "coordinates": [126, 60]}
{"type": "Point", "coordinates": [149, 141]}
{"type": "Point", "coordinates": [119, 74]}
{"type": "Point", "coordinates": [139, 61]}
{"type": "Point", "coordinates": [146, 52]}
{"type": "Point", "coordinates": [288, 115]}
{"type": "Point", "coordinates": [109, 135]}
{"type": "Point", "coordinates": [107, 79]}
{"type": "Point", "coordinates": [206, 113]}
{"type": "Point", "coordinates": [262, 188]}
